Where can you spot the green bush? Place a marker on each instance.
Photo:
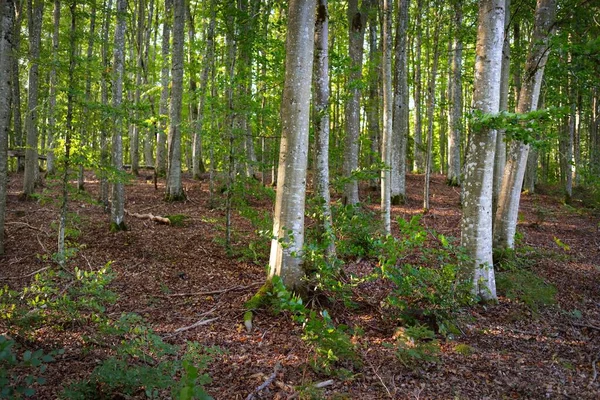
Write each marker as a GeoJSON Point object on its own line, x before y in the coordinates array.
{"type": "Point", "coordinates": [416, 345]}
{"type": "Point", "coordinates": [356, 230]}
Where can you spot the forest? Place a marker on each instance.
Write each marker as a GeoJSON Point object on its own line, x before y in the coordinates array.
{"type": "Point", "coordinates": [301, 199]}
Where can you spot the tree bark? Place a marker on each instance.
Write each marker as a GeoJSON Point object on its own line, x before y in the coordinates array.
{"type": "Point", "coordinates": [386, 138]}
{"type": "Point", "coordinates": [288, 222]}
{"type": "Point", "coordinates": [85, 131]}
{"type": "Point", "coordinates": [52, 97]}
{"type": "Point", "coordinates": [163, 108]}
{"type": "Point", "coordinates": [117, 214]}
{"type": "Point", "coordinates": [373, 105]}
{"type": "Point", "coordinates": [104, 153]}
{"type": "Point", "coordinates": [456, 101]}
{"type": "Point", "coordinates": [419, 162]}
{"type": "Point", "coordinates": [35, 8]}
{"type": "Point", "coordinates": [356, 32]}
{"type": "Point", "coordinates": [321, 125]}
{"type": "Point", "coordinates": [400, 112]}
{"type": "Point", "coordinates": [6, 54]}
{"type": "Point", "coordinates": [16, 83]}
{"type": "Point", "coordinates": [174, 188]}
{"type": "Point", "coordinates": [134, 142]}
{"type": "Point", "coordinates": [476, 222]}
{"type": "Point", "coordinates": [505, 225]}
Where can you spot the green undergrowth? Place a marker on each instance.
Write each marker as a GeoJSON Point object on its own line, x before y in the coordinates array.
{"type": "Point", "coordinates": [61, 300]}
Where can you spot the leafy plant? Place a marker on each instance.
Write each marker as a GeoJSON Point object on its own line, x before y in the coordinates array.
{"type": "Point", "coordinates": [415, 345]}
{"type": "Point", "coordinates": [527, 287]}
{"type": "Point", "coordinates": [356, 230]}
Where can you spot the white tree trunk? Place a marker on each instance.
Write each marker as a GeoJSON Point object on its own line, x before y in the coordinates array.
{"type": "Point", "coordinates": [36, 8]}
{"type": "Point", "coordinates": [476, 223]}
{"type": "Point", "coordinates": [134, 142]}
{"type": "Point", "coordinates": [455, 98]}
{"type": "Point", "coordinates": [505, 225]}
{"type": "Point", "coordinates": [52, 96]}
{"type": "Point", "coordinates": [288, 221]}
{"type": "Point", "coordinates": [401, 111]}
{"type": "Point", "coordinates": [321, 123]}
{"type": "Point", "coordinates": [386, 137]}
{"type": "Point", "coordinates": [104, 153]}
{"type": "Point", "coordinates": [356, 31]}
{"type": "Point", "coordinates": [6, 33]}
{"type": "Point", "coordinates": [174, 188]}
{"type": "Point", "coordinates": [117, 212]}
{"type": "Point", "coordinates": [419, 162]}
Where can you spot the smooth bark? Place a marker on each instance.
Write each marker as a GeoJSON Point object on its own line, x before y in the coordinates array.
{"type": "Point", "coordinates": [386, 137]}
{"type": "Point", "coordinates": [163, 108]}
{"type": "Point", "coordinates": [419, 162]}
{"type": "Point", "coordinates": [456, 101]}
{"type": "Point", "coordinates": [52, 96]}
{"type": "Point", "coordinates": [288, 222]}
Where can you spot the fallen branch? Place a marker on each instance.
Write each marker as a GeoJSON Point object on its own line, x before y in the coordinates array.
{"type": "Point", "coordinates": [595, 374]}
{"type": "Point", "coordinates": [25, 276]}
{"type": "Point", "coordinates": [194, 325]}
{"type": "Point", "coordinates": [319, 385]}
{"type": "Point", "coordinates": [151, 217]}
{"type": "Point", "coordinates": [26, 225]}
{"type": "Point", "coordinates": [212, 292]}
{"type": "Point", "coordinates": [266, 383]}
{"type": "Point", "coordinates": [586, 326]}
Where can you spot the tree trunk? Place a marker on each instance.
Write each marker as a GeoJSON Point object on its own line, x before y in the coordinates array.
{"type": "Point", "coordinates": [456, 101]}
{"type": "Point", "coordinates": [321, 125]}
{"type": "Point", "coordinates": [134, 142]}
{"type": "Point", "coordinates": [356, 31]}
{"type": "Point", "coordinates": [104, 153]}
{"type": "Point", "coordinates": [500, 161]}
{"type": "Point", "coordinates": [288, 221]}
{"type": "Point", "coordinates": [476, 222]}
{"type": "Point", "coordinates": [386, 138]}
{"type": "Point", "coordinates": [508, 202]}
{"type": "Point", "coordinates": [430, 110]}
{"type": "Point", "coordinates": [16, 84]}
{"type": "Point", "coordinates": [174, 188]}
{"type": "Point", "coordinates": [36, 8]}
{"type": "Point", "coordinates": [400, 112]}
{"type": "Point", "coordinates": [163, 108]}
{"type": "Point", "coordinates": [117, 213]}
{"type": "Point", "coordinates": [52, 97]}
{"type": "Point", "coordinates": [6, 43]}
{"type": "Point", "coordinates": [419, 162]}
{"type": "Point", "coordinates": [373, 114]}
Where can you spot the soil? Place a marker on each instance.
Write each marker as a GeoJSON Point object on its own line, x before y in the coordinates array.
{"type": "Point", "coordinates": [174, 276]}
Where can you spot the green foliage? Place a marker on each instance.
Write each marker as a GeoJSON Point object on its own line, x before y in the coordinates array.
{"type": "Point", "coordinates": [144, 363]}
{"type": "Point", "coordinates": [435, 289]}
{"type": "Point", "coordinates": [416, 345]}
{"type": "Point", "coordinates": [356, 229]}
{"type": "Point", "coordinates": [463, 349]}
{"type": "Point", "coordinates": [19, 373]}
{"type": "Point", "coordinates": [332, 346]}
{"type": "Point", "coordinates": [177, 219]}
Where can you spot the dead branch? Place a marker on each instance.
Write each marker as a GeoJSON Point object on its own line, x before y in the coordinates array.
{"type": "Point", "coordinates": [25, 276]}
{"type": "Point", "coordinates": [595, 374]}
{"type": "Point", "coordinates": [265, 383]}
{"type": "Point", "coordinates": [151, 217]}
{"type": "Point", "coordinates": [194, 325]}
{"type": "Point", "coordinates": [586, 326]}
{"type": "Point", "coordinates": [212, 292]}
{"type": "Point", "coordinates": [26, 225]}
{"type": "Point", "coordinates": [319, 385]}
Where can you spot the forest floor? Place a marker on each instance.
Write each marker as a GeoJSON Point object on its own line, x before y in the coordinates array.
{"type": "Point", "coordinates": [174, 276]}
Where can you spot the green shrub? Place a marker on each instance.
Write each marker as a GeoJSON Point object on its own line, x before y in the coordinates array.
{"type": "Point", "coordinates": [356, 230]}
{"type": "Point", "coordinates": [416, 345]}
{"type": "Point", "coordinates": [527, 287]}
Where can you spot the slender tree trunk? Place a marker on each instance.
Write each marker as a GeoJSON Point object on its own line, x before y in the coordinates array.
{"type": "Point", "coordinates": [104, 153]}
{"type": "Point", "coordinates": [134, 142]}
{"type": "Point", "coordinates": [16, 83]}
{"type": "Point", "coordinates": [52, 97]}
{"type": "Point", "coordinates": [419, 162]}
{"type": "Point", "coordinates": [386, 138]}
{"type": "Point", "coordinates": [400, 126]}
{"type": "Point", "coordinates": [430, 111]}
{"type": "Point", "coordinates": [517, 68]}
{"type": "Point", "coordinates": [321, 124]}
{"type": "Point", "coordinates": [174, 187]}
{"type": "Point", "coordinates": [508, 203]}
{"type": "Point", "coordinates": [456, 101]}
{"type": "Point", "coordinates": [288, 221]}
{"type": "Point", "coordinates": [151, 131]}
{"type": "Point", "coordinates": [570, 139]}
{"type": "Point", "coordinates": [117, 209]}
{"type": "Point", "coordinates": [6, 54]}
{"type": "Point", "coordinates": [373, 114]}
{"type": "Point", "coordinates": [500, 161]}
{"type": "Point", "coordinates": [476, 223]}
{"type": "Point", "coordinates": [577, 142]}
{"type": "Point", "coordinates": [356, 31]}
{"type": "Point", "coordinates": [69, 133]}
{"type": "Point", "coordinates": [163, 109]}
{"type": "Point", "coordinates": [36, 8]}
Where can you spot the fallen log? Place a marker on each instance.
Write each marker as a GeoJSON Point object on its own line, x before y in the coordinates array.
{"type": "Point", "coordinates": [151, 217]}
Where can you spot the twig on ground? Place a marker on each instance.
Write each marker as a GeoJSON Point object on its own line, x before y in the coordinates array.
{"type": "Point", "coordinates": [26, 225]}
{"type": "Point", "coordinates": [586, 326]}
{"type": "Point", "coordinates": [151, 217]}
{"type": "Point", "coordinates": [379, 377]}
{"type": "Point", "coordinates": [41, 244]}
{"type": "Point", "coordinates": [266, 383]}
{"type": "Point", "coordinates": [595, 373]}
{"type": "Point", "coordinates": [194, 325]}
{"type": "Point", "coordinates": [27, 275]}
{"type": "Point", "coordinates": [211, 292]}
{"type": "Point", "coordinates": [319, 385]}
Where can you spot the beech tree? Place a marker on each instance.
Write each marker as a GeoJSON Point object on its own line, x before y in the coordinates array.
{"type": "Point", "coordinates": [505, 225]}
{"type": "Point", "coordinates": [288, 219]}
{"type": "Point", "coordinates": [386, 137]}
{"type": "Point", "coordinates": [6, 54]}
{"type": "Point", "coordinates": [476, 222]}
{"type": "Point", "coordinates": [455, 97]}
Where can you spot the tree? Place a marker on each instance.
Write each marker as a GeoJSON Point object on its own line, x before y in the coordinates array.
{"type": "Point", "coordinates": [174, 187]}
{"type": "Point", "coordinates": [386, 137]}
{"type": "Point", "coordinates": [163, 109]}
{"type": "Point", "coordinates": [476, 222]}
{"type": "Point", "coordinates": [321, 123]}
{"type": "Point", "coordinates": [505, 225]}
{"type": "Point", "coordinates": [35, 9]}
{"type": "Point", "coordinates": [356, 32]}
{"type": "Point", "coordinates": [104, 153]}
{"type": "Point", "coordinates": [52, 97]}
{"type": "Point", "coordinates": [6, 55]}
{"type": "Point", "coordinates": [419, 163]}
{"type": "Point", "coordinates": [288, 220]}
{"type": "Point", "coordinates": [117, 209]}
{"type": "Point", "coordinates": [455, 97]}
{"type": "Point", "coordinates": [401, 111]}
